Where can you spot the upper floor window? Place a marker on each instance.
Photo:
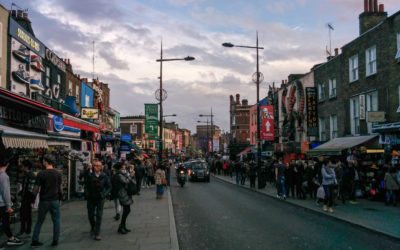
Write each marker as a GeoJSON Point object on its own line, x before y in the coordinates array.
{"type": "Point", "coordinates": [322, 129]}
{"type": "Point", "coordinates": [370, 61]}
{"type": "Point", "coordinates": [321, 92]}
{"type": "Point", "coordinates": [69, 88]}
{"type": "Point", "coordinates": [398, 48]}
{"type": "Point", "coordinates": [48, 76]}
{"type": "Point", "coordinates": [233, 120]}
{"type": "Point", "coordinates": [353, 68]}
{"type": "Point", "coordinates": [332, 87]}
{"type": "Point", "coordinates": [334, 128]}
{"type": "Point", "coordinates": [355, 115]}
{"type": "Point", "coordinates": [58, 78]}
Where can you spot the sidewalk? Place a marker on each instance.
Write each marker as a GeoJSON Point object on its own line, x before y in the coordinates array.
{"type": "Point", "coordinates": [152, 223]}
{"type": "Point", "coordinates": [373, 216]}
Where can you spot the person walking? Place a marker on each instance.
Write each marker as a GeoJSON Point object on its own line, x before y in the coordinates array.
{"type": "Point", "coordinates": [114, 195]}
{"type": "Point", "coordinates": [252, 174]}
{"type": "Point", "coordinates": [328, 182]}
{"type": "Point", "coordinates": [290, 178]}
{"type": "Point", "coordinates": [139, 174]}
{"type": "Point", "coordinates": [280, 179]}
{"type": "Point", "coordinates": [49, 183]}
{"type": "Point", "coordinates": [6, 204]}
{"type": "Point", "coordinates": [391, 185]}
{"type": "Point", "coordinates": [99, 186]}
{"type": "Point", "coordinates": [150, 173]}
{"type": "Point", "coordinates": [28, 199]}
{"type": "Point", "coordinates": [299, 172]}
{"type": "Point", "coordinates": [160, 181]}
{"type": "Point", "coordinates": [237, 171]}
{"type": "Point", "coordinates": [122, 181]}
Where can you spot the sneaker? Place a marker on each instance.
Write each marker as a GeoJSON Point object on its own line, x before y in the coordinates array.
{"type": "Point", "coordinates": [278, 196]}
{"type": "Point", "coordinates": [98, 238]}
{"type": "Point", "coordinates": [21, 76]}
{"type": "Point", "coordinates": [22, 54]}
{"type": "Point", "coordinates": [36, 244]}
{"type": "Point", "coordinates": [54, 243]}
{"type": "Point", "coordinates": [36, 63]}
{"type": "Point", "coordinates": [325, 208]}
{"type": "Point", "coordinates": [331, 210]}
{"type": "Point", "coordinates": [35, 84]}
{"type": "Point", "coordinates": [15, 242]}
{"type": "Point", "coordinates": [23, 236]}
{"type": "Point", "coordinates": [284, 197]}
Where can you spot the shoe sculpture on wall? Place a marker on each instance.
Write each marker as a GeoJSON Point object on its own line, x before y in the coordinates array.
{"type": "Point", "coordinates": [21, 76]}
{"type": "Point", "coordinates": [35, 84]}
{"type": "Point", "coordinates": [36, 63]}
{"type": "Point", "coordinates": [22, 54]}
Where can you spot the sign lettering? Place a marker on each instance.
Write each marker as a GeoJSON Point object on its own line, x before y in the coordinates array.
{"type": "Point", "coordinates": [312, 113]}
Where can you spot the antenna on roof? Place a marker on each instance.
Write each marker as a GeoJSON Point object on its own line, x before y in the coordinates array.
{"type": "Point", "coordinates": [93, 62]}
{"type": "Point", "coordinates": [330, 28]}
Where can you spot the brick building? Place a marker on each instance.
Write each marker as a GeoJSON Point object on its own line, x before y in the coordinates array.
{"type": "Point", "coordinates": [239, 120]}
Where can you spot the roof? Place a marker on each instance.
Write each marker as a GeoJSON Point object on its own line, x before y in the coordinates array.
{"type": "Point", "coordinates": [335, 146]}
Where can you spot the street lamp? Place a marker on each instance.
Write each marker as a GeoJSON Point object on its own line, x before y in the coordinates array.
{"type": "Point", "coordinates": [161, 96]}
{"type": "Point", "coordinates": [208, 138]}
{"type": "Point", "coordinates": [212, 130]}
{"type": "Point", "coordinates": [257, 80]}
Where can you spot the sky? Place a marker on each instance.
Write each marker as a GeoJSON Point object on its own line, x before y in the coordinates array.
{"type": "Point", "coordinates": [128, 36]}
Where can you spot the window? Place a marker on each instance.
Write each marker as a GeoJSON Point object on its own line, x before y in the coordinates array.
{"type": "Point", "coordinates": [353, 68]}
{"type": "Point", "coordinates": [322, 131]}
{"type": "Point", "coordinates": [370, 61]}
{"type": "Point", "coordinates": [87, 101]}
{"type": "Point", "coordinates": [321, 92]}
{"type": "Point", "coordinates": [77, 92]}
{"type": "Point", "coordinates": [372, 105]}
{"type": "Point", "coordinates": [233, 120]}
{"type": "Point", "coordinates": [58, 78]}
{"type": "Point", "coordinates": [398, 48]}
{"type": "Point", "coordinates": [69, 88]}
{"type": "Point", "coordinates": [48, 76]}
{"type": "Point", "coordinates": [355, 115]}
{"type": "Point", "coordinates": [332, 87]}
{"type": "Point", "coordinates": [333, 125]}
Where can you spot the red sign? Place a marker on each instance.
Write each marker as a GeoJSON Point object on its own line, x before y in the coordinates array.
{"type": "Point", "coordinates": [267, 123]}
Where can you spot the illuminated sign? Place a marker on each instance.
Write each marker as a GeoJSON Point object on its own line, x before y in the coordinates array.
{"type": "Point", "coordinates": [23, 36]}
{"type": "Point", "coordinates": [88, 113]}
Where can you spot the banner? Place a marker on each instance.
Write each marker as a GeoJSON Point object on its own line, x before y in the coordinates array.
{"type": "Point", "coordinates": [267, 123]}
{"type": "Point", "coordinates": [312, 115]}
{"type": "Point", "coordinates": [151, 120]}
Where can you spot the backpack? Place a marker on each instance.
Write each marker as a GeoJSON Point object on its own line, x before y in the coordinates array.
{"type": "Point", "coordinates": [132, 189]}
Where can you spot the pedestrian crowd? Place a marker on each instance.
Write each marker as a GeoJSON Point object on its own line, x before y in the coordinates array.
{"type": "Point", "coordinates": [102, 181]}
{"type": "Point", "coordinates": [327, 180]}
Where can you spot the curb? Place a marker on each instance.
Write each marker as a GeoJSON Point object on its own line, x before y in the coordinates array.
{"type": "Point", "coordinates": [172, 226]}
{"type": "Point", "coordinates": [387, 235]}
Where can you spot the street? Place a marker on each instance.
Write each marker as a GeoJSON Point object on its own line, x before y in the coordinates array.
{"type": "Point", "coordinates": [218, 215]}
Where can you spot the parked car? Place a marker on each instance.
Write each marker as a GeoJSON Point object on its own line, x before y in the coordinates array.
{"type": "Point", "coordinates": [199, 171]}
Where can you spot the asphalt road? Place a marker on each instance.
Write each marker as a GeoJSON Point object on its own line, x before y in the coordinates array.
{"type": "Point", "coordinates": [218, 215]}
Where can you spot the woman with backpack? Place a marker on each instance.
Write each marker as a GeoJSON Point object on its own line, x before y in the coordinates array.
{"type": "Point", "coordinates": [161, 181]}
{"type": "Point", "coordinates": [123, 183]}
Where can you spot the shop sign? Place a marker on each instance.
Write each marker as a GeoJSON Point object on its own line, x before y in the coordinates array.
{"type": "Point", "coordinates": [362, 107]}
{"type": "Point", "coordinates": [267, 123]}
{"type": "Point", "coordinates": [126, 137]}
{"type": "Point", "coordinates": [151, 119]}
{"type": "Point", "coordinates": [58, 123]}
{"type": "Point", "coordinates": [24, 119]}
{"type": "Point", "coordinates": [312, 113]}
{"type": "Point", "coordinates": [376, 116]}
{"type": "Point", "coordinates": [54, 59]}
{"type": "Point", "coordinates": [19, 33]}
{"type": "Point", "coordinates": [89, 113]}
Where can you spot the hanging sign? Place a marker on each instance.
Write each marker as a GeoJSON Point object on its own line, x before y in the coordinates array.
{"type": "Point", "coordinates": [312, 114]}
{"type": "Point", "coordinates": [362, 107]}
{"type": "Point", "coordinates": [58, 123]}
{"type": "Point", "coordinates": [151, 119]}
{"type": "Point", "coordinates": [267, 123]}
{"type": "Point", "coordinates": [89, 113]}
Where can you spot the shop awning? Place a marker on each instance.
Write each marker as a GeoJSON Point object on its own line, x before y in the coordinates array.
{"type": "Point", "coordinates": [107, 138]}
{"type": "Point", "coordinates": [17, 138]}
{"type": "Point", "coordinates": [337, 145]}
{"type": "Point", "coordinates": [388, 127]}
{"type": "Point", "coordinates": [244, 151]}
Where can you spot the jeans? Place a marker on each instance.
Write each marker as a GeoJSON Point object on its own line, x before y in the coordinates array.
{"type": "Point", "coordinates": [5, 219]}
{"type": "Point", "coordinates": [44, 207]}
{"type": "Point", "coordinates": [328, 195]}
{"type": "Point", "coordinates": [280, 186]}
{"type": "Point", "coordinates": [117, 206]}
{"type": "Point", "coordinates": [126, 209]}
{"type": "Point", "coordinates": [95, 214]}
{"type": "Point", "coordinates": [138, 183]}
{"type": "Point", "coordinates": [144, 180]}
{"type": "Point", "coordinates": [391, 194]}
{"type": "Point", "coordinates": [26, 212]}
{"type": "Point", "coordinates": [238, 177]}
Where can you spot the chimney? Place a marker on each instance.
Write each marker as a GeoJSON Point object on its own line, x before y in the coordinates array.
{"type": "Point", "coordinates": [381, 8]}
{"type": "Point", "coordinates": [68, 61]}
{"type": "Point", "coordinates": [372, 17]}
{"type": "Point", "coordinates": [237, 99]}
{"type": "Point", "coordinates": [366, 6]}
{"type": "Point", "coordinates": [245, 102]}
{"type": "Point", "coordinates": [14, 13]}
{"type": "Point", "coordinates": [19, 13]}
{"type": "Point", "coordinates": [25, 15]}
{"type": "Point", "coordinates": [336, 51]}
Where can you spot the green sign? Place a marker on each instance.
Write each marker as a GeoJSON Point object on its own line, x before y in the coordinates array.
{"type": "Point", "coordinates": [151, 119]}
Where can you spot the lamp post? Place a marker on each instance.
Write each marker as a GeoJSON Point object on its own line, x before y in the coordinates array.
{"type": "Point", "coordinates": [212, 130]}
{"type": "Point", "coordinates": [161, 96]}
{"type": "Point", "coordinates": [208, 138]}
{"type": "Point", "coordinates": [257, 80]}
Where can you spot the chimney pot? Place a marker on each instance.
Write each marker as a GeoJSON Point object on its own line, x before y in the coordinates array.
{"type": "Point", "coordinates": [371, 6]}
{"type": "Point", "coordinates": [381, 7]}
{"type": "Point", "coordinates": [19, 13]}
{"type": "Point", "coordinates": [25, 15]}
{"type": "Point", "coordinates": [375, 5]}
{"type": "Point", "coordinates": [365, 5]}
{"type": "Point", "coordinates": [336, 51]}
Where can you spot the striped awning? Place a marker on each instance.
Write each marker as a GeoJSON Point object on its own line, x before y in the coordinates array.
{"type": "Point", "coordinates": [16, 138]}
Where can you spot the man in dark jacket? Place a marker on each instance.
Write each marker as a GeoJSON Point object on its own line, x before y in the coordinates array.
{"type": "Point", "coordinates": [98, 187]}
{"type": "Point", "coordinates": [139, 173]}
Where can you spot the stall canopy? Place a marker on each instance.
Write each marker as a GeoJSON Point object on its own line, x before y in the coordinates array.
{"type": "Point", "coordinates": [337, 145]}
{"type": "Point", "coordinates": [16, 138]}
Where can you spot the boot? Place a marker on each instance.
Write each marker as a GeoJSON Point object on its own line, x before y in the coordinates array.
{"type": "Point", "coordinates": [325, 208]}
{"type": "Point", "coordinates": [121, 229]}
